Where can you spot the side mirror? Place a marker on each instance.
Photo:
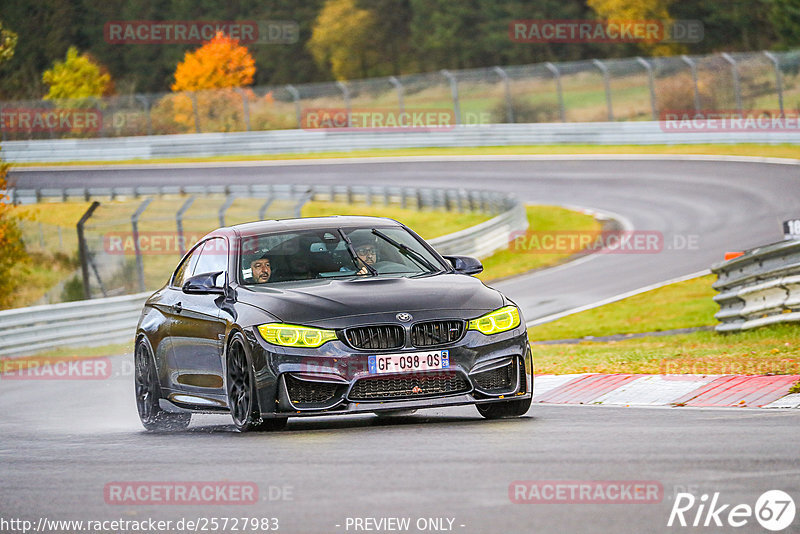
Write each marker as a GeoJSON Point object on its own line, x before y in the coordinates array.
{"type": "Point", "coordinates": [203, 284]}
{"type": "Point", "coordinates": [465, 264]}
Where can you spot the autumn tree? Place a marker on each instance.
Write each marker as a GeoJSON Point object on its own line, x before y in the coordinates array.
{"type": "Point", "coordinates": [219, 63]}
{"type": "Point", "coordinates": [77, 77]}
{"type": "Point", "coordinates": [214, 70]}
{"type": "Point", "coordinates": [10, 235]}
{"type": "Point", "coordinates": [341, 39]}
{"type": "Point", "coordinates": [630, 10]}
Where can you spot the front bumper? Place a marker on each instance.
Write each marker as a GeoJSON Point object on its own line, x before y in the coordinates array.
{"type": "Point", "coordinates": [335, 378]}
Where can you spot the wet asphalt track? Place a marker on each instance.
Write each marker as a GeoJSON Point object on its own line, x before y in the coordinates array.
{"type": "Point", "coordinates": [61, 442]}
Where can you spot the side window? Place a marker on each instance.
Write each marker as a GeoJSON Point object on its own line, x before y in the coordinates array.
{"type": "Point", "coordinates": [185, 269]}
{"type": "Point", "coordinates": [214, 257]}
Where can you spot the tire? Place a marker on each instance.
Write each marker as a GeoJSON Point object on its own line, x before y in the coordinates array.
{"type": "Point", "coordinates": [242, 399]}
{"type": "Point", "coordinates": [505, 409]}
{"type": "Point", "coordinates": [148, 393]}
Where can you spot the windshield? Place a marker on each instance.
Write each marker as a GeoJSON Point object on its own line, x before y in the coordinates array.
{"type": "Point", "coordinates": [333, 253]}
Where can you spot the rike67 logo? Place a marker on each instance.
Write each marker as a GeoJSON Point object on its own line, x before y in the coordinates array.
{"type": "Point", "coordinates": [774, 510]}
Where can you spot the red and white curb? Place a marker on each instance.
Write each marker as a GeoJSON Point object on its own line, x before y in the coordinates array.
{"type": "Point", "coordinates": [742, 391]}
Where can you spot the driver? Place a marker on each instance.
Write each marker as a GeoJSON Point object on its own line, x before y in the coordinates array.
{"type": "Point", "coordinates": [367, 253]}
{"type": "Point", "coordinates": [261, 269]}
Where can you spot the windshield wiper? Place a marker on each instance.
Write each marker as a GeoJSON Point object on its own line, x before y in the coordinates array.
{"type": "Point", "coordinates": [352, 251]}
{"type": "Point", "coordinates": [413, 254]}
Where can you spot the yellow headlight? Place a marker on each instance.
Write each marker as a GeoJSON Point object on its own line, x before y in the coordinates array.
{"type": "Point", "coordinates": [292, 335]}
{"type": "Point", "coordinates": [497, 321]}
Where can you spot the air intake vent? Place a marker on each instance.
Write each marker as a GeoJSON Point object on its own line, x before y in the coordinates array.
{"type": "Point", "coordinates": [433, 333]}
{"type": "Point", "coordinates": [376, 337]}
{"type": "Point", "coordinates": [305, 392]}
{"type": "Point", "coordinates": [496, 380]}
{"type": "Point", "coordinates": [409, 386]}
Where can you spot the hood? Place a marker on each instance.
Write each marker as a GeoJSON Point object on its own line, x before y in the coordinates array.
{"type": "Point", "coordinates": [337, 303]}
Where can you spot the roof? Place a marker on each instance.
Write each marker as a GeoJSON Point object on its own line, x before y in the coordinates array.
{"type": "Point", "coordinates": [305, 223]}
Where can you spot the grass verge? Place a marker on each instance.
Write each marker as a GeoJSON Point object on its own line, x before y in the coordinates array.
{"type": "Point", "coordinates": [768, 350]}
{"type": "Point", "coordinates": [756, 150]}
{"type": "Point", "coordinates": [681, 305]}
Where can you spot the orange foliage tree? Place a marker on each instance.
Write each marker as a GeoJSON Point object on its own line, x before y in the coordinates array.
{"type": "Point", "coordinates": [220, 65]}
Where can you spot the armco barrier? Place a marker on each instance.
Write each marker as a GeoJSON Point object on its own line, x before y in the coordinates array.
{"type": "Point", "coordinates": [303, 141]}
{"type": "Point", "coordinates": [759, 288]}
{"type": "Point", "coordinates": [113, 320]}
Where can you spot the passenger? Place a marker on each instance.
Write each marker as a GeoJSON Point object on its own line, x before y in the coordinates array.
{"type": "Point", "coordinates": [261, 269]}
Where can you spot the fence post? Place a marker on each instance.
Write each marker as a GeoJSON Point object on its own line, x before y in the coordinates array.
{"type": "Point", "coordinates": [600, 65]}
{"type": "Point", "coordinates": [652, 83]}
{"type": "Point", "coordinates": [693, 66]}
{"type": "Point", "coordinates": [179, 223]}
{"type": "Point", "coordinates": [346, 95]}
{"type": "Point", "coordinates": [778, 78]}
{"type": "Point", "coordinates": [224, 208]}
{"type": "Point", "coordinates": [245, 107]}
{"type": "Point", "coordinates": [146, 104]}
{"type": "Point", "coordinates": [193, 96]}
{"type": "Point", "coordinates": [454, 93]}
{"type": "Point", "coordinates": [507, 86]}
{"type": "Point", "coordinates": [296, 98]}
{"type": "Point", "coordinates": [557, 75]}
{"type": "Point", "coordinates": [83, 249]}
{"type": "Point", "coordinates": [737, 88]}
{"type": "Point", "coordinates": [399, 86]}
{"type": "Point", "coordinates": [135, 227]}
{"type": "Point", "coordinates": [264, 207]}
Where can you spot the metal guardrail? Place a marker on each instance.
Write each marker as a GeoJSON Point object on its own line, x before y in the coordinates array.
{"type": "Point", "coordinates": [113, 320]}
{"type": "Point", "coordinates": [306, 141]}
{"type": "Point", "coordinates": [759, 288]}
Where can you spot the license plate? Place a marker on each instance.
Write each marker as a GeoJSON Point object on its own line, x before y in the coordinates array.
{"type": "Point", "coordinates": [410, 361]}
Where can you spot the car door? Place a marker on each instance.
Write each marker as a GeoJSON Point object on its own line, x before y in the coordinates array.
{"type": "Point", "coordinates": [197, 331]}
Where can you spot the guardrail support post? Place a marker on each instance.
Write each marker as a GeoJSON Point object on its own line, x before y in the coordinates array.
{"type": "Point", "coordinates": [693, 66]}
{"type": "Point", "coordinates": [193, 96]}
{"type": "Point", "coordinates": [651, 81]}
{"type": "Point", "coordinates": [135, 227]}
{"type": "Point", "coordinates": [346, 95]}
{"type": "Point", "coordinates": [559, 91]}
{"type": "Point", "coordinates": [245, 107]}
{"type": "Point", "coordinates": [179, 223]}
{"type": "Point", "coordinates": [399, 86]}
{"type": "Point", "coordinates": [778, 78]}
{"type": "Point", "coordinates": [507, 87]}
{"type": "Point", "coordinates": [454, 93]}
{"type": "Point", "coordinates": [296, 98]}
{"type": "Point", "coordinates": [737, 88]}
{"type": "Point", "coordinates": [83, 249]}
{"type": "Point", "coordinates": [607, 83]}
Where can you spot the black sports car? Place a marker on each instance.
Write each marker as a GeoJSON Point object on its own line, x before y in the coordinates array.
{"type": "Point", "coordinates": [333, 315]}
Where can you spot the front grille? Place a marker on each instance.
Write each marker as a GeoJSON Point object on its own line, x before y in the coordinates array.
{"type": "Point", "coordinates": [434, 333]}
{"type": "Point", "coordinates": [304, 392]}
{"type": "Point", "coordinates": [409, 386]}
{"type": "Point", "coordinates": [500, 379]}
{"type": "Point", "coordinates": [385, 336]}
